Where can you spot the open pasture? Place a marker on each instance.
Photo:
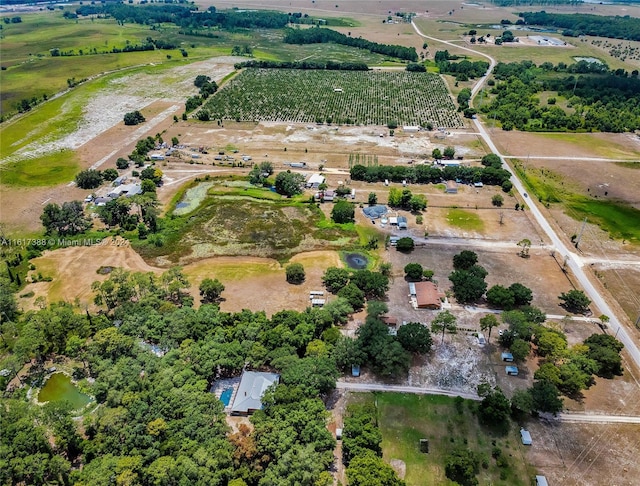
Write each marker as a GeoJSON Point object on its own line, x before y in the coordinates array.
{"type": "Point", "coordinates": [352, 97]}
{"type": "Point", "coordinates": [405, 419]}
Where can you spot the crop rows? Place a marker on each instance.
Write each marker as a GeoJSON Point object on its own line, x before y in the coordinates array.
{"type": "Point", "coordinates": [308, 96]}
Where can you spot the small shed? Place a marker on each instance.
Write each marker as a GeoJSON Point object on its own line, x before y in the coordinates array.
{"type": "Point", "coordinates": [389, 321]}
{"type": "Point", "coordinates": [525, 436]}
{"type": "Point", "coordinates": [478, 184]}
{"type": "Point", "coordinates": [541, 481]}
{"type": "Point", "coordinates": [393, 221]}
{"type": "Point", "coordinates": [507, 357]}
{"type": "Point", "coordinates": [313, 293]}
{"type": "Point", "coordinates": [157, 157]}
{"type": "Point", "coordinates": [338, 434]}
{"type": "Point", "coordinates": [452, 187]}
{"type": "Point", "coordinates": [481, 339]}
{"type": "Point", "coordinates": [315, 180]}
{"type": "Point", "coordinates": [402, 222]}
{"type": "Point", "coordinates": [511, 370]}
{"type": "Point", "coordinates": [411, 129]}
{"type": "Point", "coordinates": [317, 302]}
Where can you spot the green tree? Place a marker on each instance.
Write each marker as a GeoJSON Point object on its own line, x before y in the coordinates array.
{"type": "Point", "coordinates": [66, 220]}
{"type": "Point", "coordinates": [488, 322]}
{"type": "Point", "coordinates": [497, 200]}
{"type": "Point", "coordinates": [415, 338]}
{"type": "Point", "coordinates": [605, 351]}
{"type": "Point", "coordinates": [372, 199]}
{"type": "Point", "coordinates": [339, 310]}
{"type": "Point", "coordinates": [343, 212]}
{"type": "Point", "coordinates": [315, 375]}
{"type": "Point", "coordinates": [522, 295]}
{"type": "Point", "coordinates": [462, 465]}
{"type": "Point", "coordinates": [353, 295]}
{"type": "Point", "coordinates": [88, 179]}
{"type": "Point", "coordinates": [495, 409]}
{"type": "Point", "coordinates": [122, 163]}
{"type": "Point", "coordinates": [133, 118]}
{"type": "Point", "coordinates": [500, 297]}
{"type": "Point", "coordinates": [405, 244]}
{"type": "Point", "coordinates": [370, 470]}
{"type": "Point", "coordinates": [335, 278]}
{"type": "Point", "coordinates": [548, 372]}
{"type": "Point", "coordinates": [413, 272]}
{"type": "Point", "coordinates": [295, 273]}
{"type": "Point", "coordinates": [464, 260]}
{"type": "Point", "coordinates": [575, 301]}
{"type": "Point", "coordinates": [545, 397]}
{"type": "Point", "coordinates": [148, 186]}
{"type": "Point", "coordinates": [289, 183]}
{"type": "Point", "coordinates": [444, 321]}
{"type": "Point", "coordinates": [417, 203]}
{"type": "Point", "coordinates": [210, 290]}
{"type": "Point", "coordinates": [521, 403]}
{"type": "Point", "coordinates": [469, 285]}
{"type": "Point", "coordinates": [436, 154]}
{"type": "Point", "coordinates": [449, 152]}
{"type": "Point", "coordinates": [551, 343]}
{"type": "Point", "coordinates": [373, 284]}
{"type": "Point", "coordinates": [348, 352]}
{"type": "Point", "coordinates": [153, 174]}
{"type": "Point", "coordinates": [395, 197]}
{"type": "Point", "coordinates": [524, 245]}
{"type": "Point", "coordinates": [109, 174]}
{"type": "Point", "coordinates": [520, 349]}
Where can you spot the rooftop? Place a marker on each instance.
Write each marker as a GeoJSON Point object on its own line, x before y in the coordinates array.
{"type": "Point", "coordinates": [253, 384]}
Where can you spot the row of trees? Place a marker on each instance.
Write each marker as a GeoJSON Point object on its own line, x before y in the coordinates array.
{"type": "Point", "coordinates": [307, 64]}
{"type": "Point", "coordinates": [320, 35]}
{"type": "Point", "coordinates": [426, 174]}
{"type": "Point", "coordinates": [613, 27]}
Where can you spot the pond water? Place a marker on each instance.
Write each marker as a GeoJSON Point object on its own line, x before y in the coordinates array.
{"type": "Point", "coordinates": [356, 261]}
{"type": "Point", "coordinates": [58, 388]}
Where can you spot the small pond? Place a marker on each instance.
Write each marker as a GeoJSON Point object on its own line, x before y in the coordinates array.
{"type": "Point", "coordinates": [356, 261]}
{"type": "Point", "coordinates": [58, 388]}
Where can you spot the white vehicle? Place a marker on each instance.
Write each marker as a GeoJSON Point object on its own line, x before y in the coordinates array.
{"type": "Point", "coordinates": [386, 182]}
{"type": "Point", "coordinates": [88, 199]}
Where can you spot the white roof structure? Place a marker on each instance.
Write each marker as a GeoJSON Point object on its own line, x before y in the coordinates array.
{"type": "Point", "coordinates": [526, 437]}
{"type": "Point", "coordinates": [315, 179]}
{"type": "Point", "coordinates": [253, 384]}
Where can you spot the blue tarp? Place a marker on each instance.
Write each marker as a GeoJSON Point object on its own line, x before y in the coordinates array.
{"type": "Point", "coordinates": [375, 212]}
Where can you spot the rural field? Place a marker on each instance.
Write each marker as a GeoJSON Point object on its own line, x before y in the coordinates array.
{"type": "Point", "coordinates": [224, 200]}
{"type": "Point", "coordinates": [360, 98]}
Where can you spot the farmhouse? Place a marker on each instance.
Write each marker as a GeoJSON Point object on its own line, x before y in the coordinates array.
{"type": "Point", "coordinates": [402, 222]}
{"type": "Point", "coordinates": [452, 187]}
{"type": "Point", "coordinates": [376, 211]}
{"type": "Point", "coordinates": [253, 384]}
{"type": "Point", "coordinates": [128, 190]}
{"type": "Point", "coordinates": [425, 295]}
{"type": "Point", "coordinates": [315, 180]}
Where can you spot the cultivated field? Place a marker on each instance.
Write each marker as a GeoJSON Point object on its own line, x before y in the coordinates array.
{"type": "Point", "coordinates": [358, 97]}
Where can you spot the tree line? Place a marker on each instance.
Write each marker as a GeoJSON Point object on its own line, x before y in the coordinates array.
{"type": "Point", "coordinates": [430, 174]}
{"type": "Point", "coordinates": [601, 100]}
{"type": "Point", "coordinates": [463, 70]}
{"type": "Point", "coordinates": [188, 17]}
{"type": "Point", "coordinates": [328, 65]}
{"type": "Point", "coordinates": [614, 27]}
{"type": "Point", "coordinates": [321, 35]}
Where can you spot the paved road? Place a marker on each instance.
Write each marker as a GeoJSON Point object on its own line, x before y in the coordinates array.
{"type": "Point", "coordinates": [372, 387]}
{"type": "Point", "coordinates": [573, 260]}
{"type": "Point", "coordinates": [597, 418]}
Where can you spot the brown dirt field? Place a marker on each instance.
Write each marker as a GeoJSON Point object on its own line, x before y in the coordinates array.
{"type": "Point", "coordinates": [250, 283]}
{"type": "Point", "coordinates": [624, 283]}
{"type": "Point", "coordinates": [585, 454]}
{"type": "Point", "coordinates": [606, 145]}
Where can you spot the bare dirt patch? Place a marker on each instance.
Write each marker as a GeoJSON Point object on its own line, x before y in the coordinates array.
{"type": "Point", "coordinates": [585, 454]}
{"type": "Point", "coordinates": [258, 284]}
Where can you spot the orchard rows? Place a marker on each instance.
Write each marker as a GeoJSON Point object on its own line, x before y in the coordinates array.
{"type": "Point", "coordinates": [310, 96]}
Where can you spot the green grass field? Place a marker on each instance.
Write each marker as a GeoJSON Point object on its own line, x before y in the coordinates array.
{"type": "Point", "coordinates": [405, 419]}
{"type": "Point", "coordinates": [466, 220]}
{"type": "Point", "coordinates": [618, 219]}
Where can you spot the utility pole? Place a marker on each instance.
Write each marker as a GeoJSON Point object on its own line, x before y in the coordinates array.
{"type": "Point", "coordinates": [584, 223]}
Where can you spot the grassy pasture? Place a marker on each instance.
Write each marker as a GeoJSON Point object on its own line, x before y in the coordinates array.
{"type": "Point", "coordinates": [405, 419]}
{"type": "Point", "coordinates": [367, 97]}
{"type": "Point", "coordinates": [620, 220]}
{"type": "Point", "coordinates": [233, 220]}
{"type": "Point", "coordinates": [466, 220]}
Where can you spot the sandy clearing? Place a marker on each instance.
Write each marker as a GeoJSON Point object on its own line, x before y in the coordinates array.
{"type": "Point", "coordinates": [258, 284]}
